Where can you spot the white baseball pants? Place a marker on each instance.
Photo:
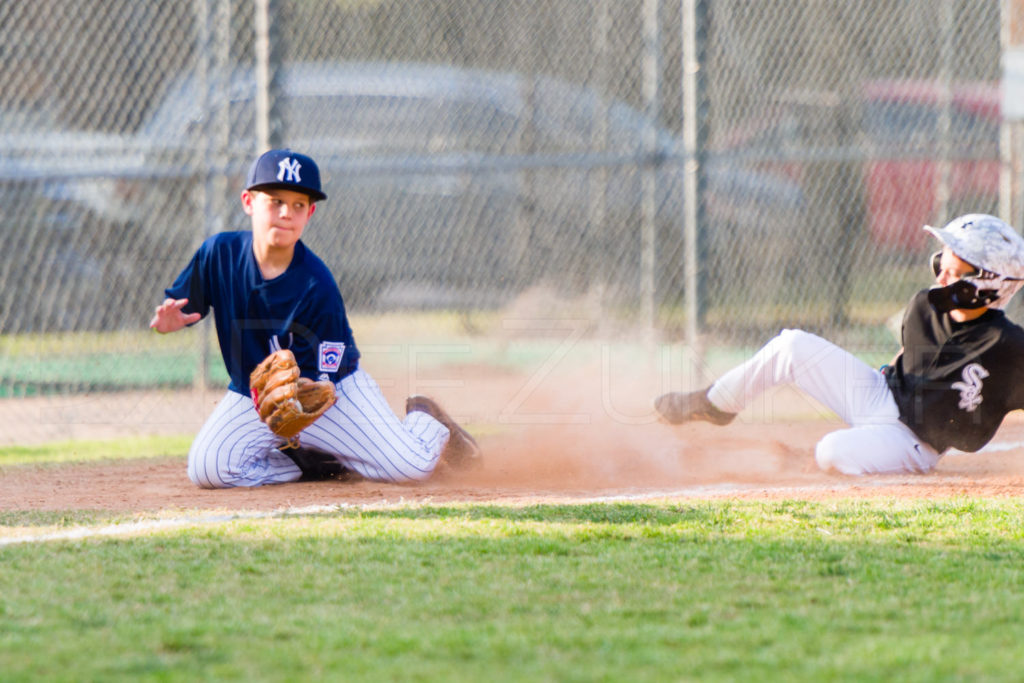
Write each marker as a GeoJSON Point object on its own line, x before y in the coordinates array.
{"type": "Point", "coordinates": [876, 442]}
{"type": "Point", "coordinates": [234, 448]}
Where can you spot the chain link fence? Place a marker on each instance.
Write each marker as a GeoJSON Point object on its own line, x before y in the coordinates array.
{"type": "Point", "coordinates": [478, 152]}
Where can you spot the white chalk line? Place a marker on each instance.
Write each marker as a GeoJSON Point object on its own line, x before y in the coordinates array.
{"type": "Point", "coordinates": [724, 489]}
{"type": "Point", "coordinates": [148, 526]}
{"type": "Point", "coordinates": [134, 528]}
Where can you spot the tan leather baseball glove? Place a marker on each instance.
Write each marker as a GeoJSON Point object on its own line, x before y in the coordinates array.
{"type": "Point", "coordinates": [286, 402]}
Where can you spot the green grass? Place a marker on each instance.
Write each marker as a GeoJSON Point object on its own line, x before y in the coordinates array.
{"type": "Point", "coordinates": [885, 590]}
{"type": "Point", "coordinates": [83, 451]}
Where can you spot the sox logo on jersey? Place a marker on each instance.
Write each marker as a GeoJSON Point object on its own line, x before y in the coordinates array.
{"type": "Point", "coordinates": [970, 388]}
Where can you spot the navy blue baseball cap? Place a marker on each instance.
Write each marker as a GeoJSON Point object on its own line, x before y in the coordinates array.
{"type": "Point", "coordinates": [284, 169]}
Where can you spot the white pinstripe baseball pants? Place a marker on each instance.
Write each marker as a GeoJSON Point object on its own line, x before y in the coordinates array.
{"type": "Point", "coordinates": [234, 448]}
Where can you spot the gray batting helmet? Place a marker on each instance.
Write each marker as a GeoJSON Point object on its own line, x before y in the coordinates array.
{"type": "Point", "coordinates": [990, 245]}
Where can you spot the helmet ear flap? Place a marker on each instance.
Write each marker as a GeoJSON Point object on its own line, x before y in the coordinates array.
{"type": "Point", "coordinates": [936, 261]}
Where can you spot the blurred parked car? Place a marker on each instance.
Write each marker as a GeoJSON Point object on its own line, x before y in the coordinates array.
{"type": "Point", "coordinates": [897, 132]}
{"type": "Point", "coordinates": [446, 181]}
{"type": "Point", "coordinates": [903, 120]}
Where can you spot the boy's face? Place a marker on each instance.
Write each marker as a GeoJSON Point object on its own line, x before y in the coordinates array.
{"type": "Point", "coordinates": [952, 268]}
{"type": "Point", "coordinates": [278, 216]}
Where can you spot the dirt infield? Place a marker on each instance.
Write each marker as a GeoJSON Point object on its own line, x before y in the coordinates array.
{"type": "Point", "coordinates": [552, 464]}
{"type": "Point", "coordinates": [540, 446]}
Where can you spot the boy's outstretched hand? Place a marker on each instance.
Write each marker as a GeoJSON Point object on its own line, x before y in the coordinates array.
{"type": "Point", "coordinates": [169, 318]}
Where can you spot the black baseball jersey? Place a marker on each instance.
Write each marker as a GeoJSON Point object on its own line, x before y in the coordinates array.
{"type": "Point", "coordinates": [955, 382]}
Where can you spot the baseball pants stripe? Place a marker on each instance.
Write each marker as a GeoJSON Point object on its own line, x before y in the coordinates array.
{"type": "Point", "coordinates": [234, 448]}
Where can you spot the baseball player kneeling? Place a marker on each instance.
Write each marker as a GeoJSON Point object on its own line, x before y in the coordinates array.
{"type": "Point", "coordinates": [298, 404]}
{"type": "Point", "coordinates": [959, 372]}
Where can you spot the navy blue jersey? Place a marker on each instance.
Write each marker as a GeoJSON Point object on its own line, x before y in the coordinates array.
{"type": "Point", "coordinates": [301, 309]}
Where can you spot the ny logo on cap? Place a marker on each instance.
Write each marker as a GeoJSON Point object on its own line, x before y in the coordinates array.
{"type": "Point", "coordinates": [288, 170]}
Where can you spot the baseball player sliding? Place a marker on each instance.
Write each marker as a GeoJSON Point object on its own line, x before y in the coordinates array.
{"type": "Point", "coordinates": [960, 371]}
{"type": "Point", "coordinates": [298, 404]}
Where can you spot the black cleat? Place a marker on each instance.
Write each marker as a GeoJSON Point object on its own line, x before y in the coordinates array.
{"type": "Point", "coordinates": [461, 452]}
{"type": "Point", "coordinates": [678, 407]}
{"type": "Point", "coordinates": [316, 465]}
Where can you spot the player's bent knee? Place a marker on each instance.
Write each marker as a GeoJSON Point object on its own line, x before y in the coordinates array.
{"type": "Point", "coordinates": [203, 481]}
{"type": "Point", "coordinates": [788, 345]}
{"type": "Point", "coordinates": [425, 471]}
{"type": "Point", "coordinates": [833, 454]}
{"type": "Point", "coordinates": [207, 475]}
{"type": "Point", "coordinates": [794, 342]}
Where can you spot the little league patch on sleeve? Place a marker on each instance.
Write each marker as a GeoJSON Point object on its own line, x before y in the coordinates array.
{"type": "Point", "coordinates": [330, 356]}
